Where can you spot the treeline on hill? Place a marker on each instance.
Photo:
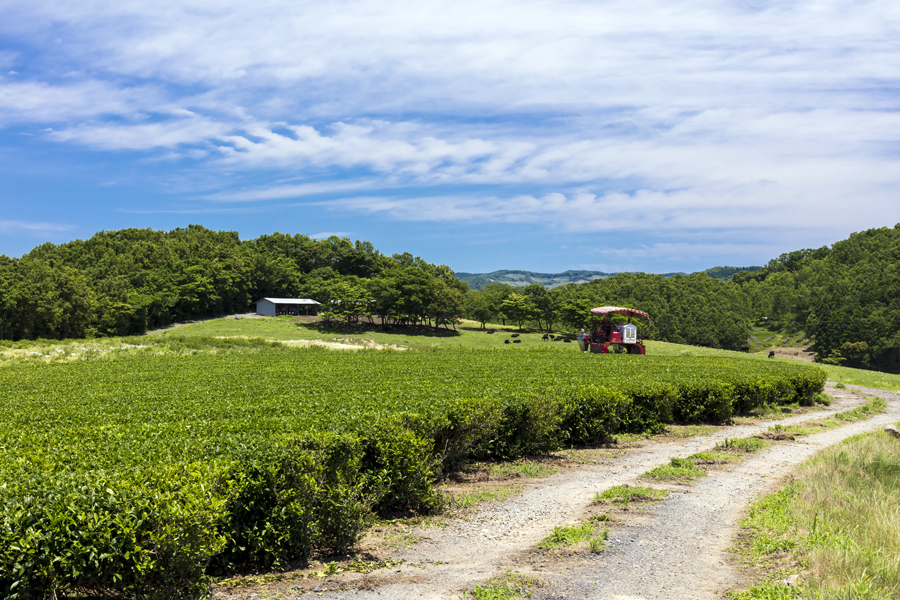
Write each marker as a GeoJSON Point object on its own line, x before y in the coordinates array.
{"type": "Point", "coordinates": [846, 297]}
{"type": "Point", "coordinates": [686, 309]}
{"type": "Point", "coordinates": [126, 282]}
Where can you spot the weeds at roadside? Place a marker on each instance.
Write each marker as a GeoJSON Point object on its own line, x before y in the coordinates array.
{"type": "Point", "coordinates": [833, 525]}
{"type": "Point", "coordinates": [467, 500]}
{"type": "Point", "coordinates": [684, 431]}
{"type": "Point", "coordinates": [860, 413]}
{"type": "Point", "coordinates": [678, 469]}
{"type": "Point", "coordinates": [597, 544]}
{"type": "Point", "coordinates": [589, 531]}
{"type": "Point", "coordinates": [774, 411]}
{"type": "Point", "coordinates": [354, 565]}
{"type": "Point", "coordinates": [626, 492]}
{"type": "Point", "coordinates": [523, 469]}
{"type": "Point", "coordinates": [404, 539]}
{"type": "Point", "coordinates": [715, 458]}
{"type": "Point", "coordinates": [505, 587]}
{"type": "Point", "coordinates": [626, 440]}
{"type": "Point", "coordinates": [823, 399]}
{"type": "Point", "coordinates": [748, 445]}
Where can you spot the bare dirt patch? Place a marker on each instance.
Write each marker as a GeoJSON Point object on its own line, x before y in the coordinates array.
{"type": "Point", "coordinates": [342, 345]}
{"type": "Point", "coordinates": [795, 353]}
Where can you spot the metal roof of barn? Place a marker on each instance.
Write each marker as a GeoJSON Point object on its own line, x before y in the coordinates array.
{"type": "Point", "coordinates": [626, 312]}
{"type": "Point", "coordinates": [289, 301]}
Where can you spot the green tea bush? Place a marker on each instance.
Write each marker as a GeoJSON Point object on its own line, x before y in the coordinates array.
{"type": "Point", "coordinates": [143, 474]}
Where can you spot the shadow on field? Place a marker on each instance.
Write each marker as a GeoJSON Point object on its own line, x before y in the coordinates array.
{"type": "Point", "coordinates": [363, 328]}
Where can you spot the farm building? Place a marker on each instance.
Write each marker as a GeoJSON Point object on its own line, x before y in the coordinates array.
{"type": "Point", "coordinates": [275, 307]}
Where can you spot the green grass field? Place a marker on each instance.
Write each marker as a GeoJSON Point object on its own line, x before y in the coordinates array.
{"type": "Point", "coordinates": [833, 528]}
{"type": "Point", "coordinates": [469, 335]}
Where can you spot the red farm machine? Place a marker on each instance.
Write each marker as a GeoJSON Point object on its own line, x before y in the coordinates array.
{"type": "Point", "coordinates": [609, 338]}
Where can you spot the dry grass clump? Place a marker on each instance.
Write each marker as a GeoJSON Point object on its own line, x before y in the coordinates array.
{"type": "Point", "coordinates": [850, 504]}
{"type": "Point", "coordinates": [838, 524]}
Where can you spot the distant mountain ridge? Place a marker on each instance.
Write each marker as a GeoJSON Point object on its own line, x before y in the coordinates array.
{"type": "Point", "coordinates": [549, 280]}
{"type": "Point", "coordinates": [524, 278]}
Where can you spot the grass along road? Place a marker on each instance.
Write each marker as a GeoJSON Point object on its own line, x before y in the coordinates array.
{"type": "Point", "coordinates": [674, 549]}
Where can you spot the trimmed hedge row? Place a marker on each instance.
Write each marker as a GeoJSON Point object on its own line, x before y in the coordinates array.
{"type": "Point", "coordinates": [141, 477]}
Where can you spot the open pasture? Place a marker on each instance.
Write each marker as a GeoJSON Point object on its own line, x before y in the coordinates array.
{"type": "Point", "coordinates": [144, 473]}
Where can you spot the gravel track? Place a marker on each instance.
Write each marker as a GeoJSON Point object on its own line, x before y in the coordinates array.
{"type": "Point", "coordinates": [675, 550]}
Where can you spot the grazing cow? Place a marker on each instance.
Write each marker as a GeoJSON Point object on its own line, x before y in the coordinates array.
{"type": "Point", "coordinates": [514, 335]}
{"type": "Point", "coordinates": [568, 341]}
{"type": "Point", "coordinates": [490, 332]}
{"type": "Point", "coordinates": [517, 341]}
{"type": "Point", "coordinates": [545, 337]}
{"type": "Point", "coordinates": [505, 341]}
{"type": "Point", "coordinates": [771, 354]}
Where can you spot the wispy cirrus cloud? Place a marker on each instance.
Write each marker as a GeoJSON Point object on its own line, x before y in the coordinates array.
{"type": "Point", "coordinates": [638, 115]}
{"type": "Point", "coordinates": [279, 192]}
{"type": "Point", "coordinates": [43, 102]}
{"type": "Point", "coordinates": [322, 235]}
{"type": "Point", "coordinates": [14, 226]}
{"type": "Point", "coordinates": [750, 208]}
{"type": "Point", "coordinates": [185, 129]}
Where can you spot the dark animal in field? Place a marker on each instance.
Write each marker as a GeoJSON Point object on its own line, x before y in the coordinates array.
{"type": "Point", "coordinates": [568, 341]}
{"type": "Point", "coordinates": [545, 337]}
{"type": "Point", "coordinates": [505, 341]}
{"type": "Point", "coordinates": [514, 335]}
{"type": "Point", "coordinates": [490, 332]}
{"type": "Point", "coordinates": [517, 341]}
{"type": "Point", "coordinates": [771, 354]}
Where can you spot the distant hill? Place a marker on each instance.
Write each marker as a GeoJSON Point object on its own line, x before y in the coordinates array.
{"type": "Point", "coordinates": [725, 273]}
{"type": "Point", "coordinates": [522, 278]}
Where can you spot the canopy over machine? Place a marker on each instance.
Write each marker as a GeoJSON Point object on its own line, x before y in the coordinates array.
{"type": "Point", "coordinates": [606, 338]}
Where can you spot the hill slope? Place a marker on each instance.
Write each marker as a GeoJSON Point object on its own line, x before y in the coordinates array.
{"type": "Point", "coordinates": [522, 278]}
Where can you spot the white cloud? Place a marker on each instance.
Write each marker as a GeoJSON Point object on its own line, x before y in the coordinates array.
{"type": "Point", "coordinates": [323, 235]}
{"type": "Point", "coordinates": [644, 115]}
{"type": "Point", "coordinates": [15, 226]}
{"type": "Point", "coordinates": [761, 208]}
{"type": "Point", "coordinates": [192, 129]}
{"type": "Point", "coordinates": [672, 256]}
{"type": "Point", "coordinates": [41, 102]}
{"type": "Point", "coordinates": [278, 192]}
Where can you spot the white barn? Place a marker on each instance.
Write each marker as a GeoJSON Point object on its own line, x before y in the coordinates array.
{"type": "Point", "coordinates": [275, 307]}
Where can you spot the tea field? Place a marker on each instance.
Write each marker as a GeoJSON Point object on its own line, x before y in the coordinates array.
{"type": "Point", "coordinates": [143, 474]}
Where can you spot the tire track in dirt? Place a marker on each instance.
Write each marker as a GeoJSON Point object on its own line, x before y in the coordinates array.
{"type": "Point", "coordinates": [681, 551]}
{"type": "Point", "coordinates": [676, 551]}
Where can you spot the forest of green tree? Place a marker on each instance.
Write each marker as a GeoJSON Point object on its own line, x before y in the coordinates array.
{"type": "Point", "coordinates": [845, 297]}
{"type": "Point", "coordinates": [126, 282]}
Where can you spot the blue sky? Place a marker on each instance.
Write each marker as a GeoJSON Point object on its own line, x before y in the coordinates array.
{"type": "Point", "coordinates": [624, 135]}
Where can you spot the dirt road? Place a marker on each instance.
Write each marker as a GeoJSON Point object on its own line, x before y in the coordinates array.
{"type": "Point", "coordinates": [675, 549]}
